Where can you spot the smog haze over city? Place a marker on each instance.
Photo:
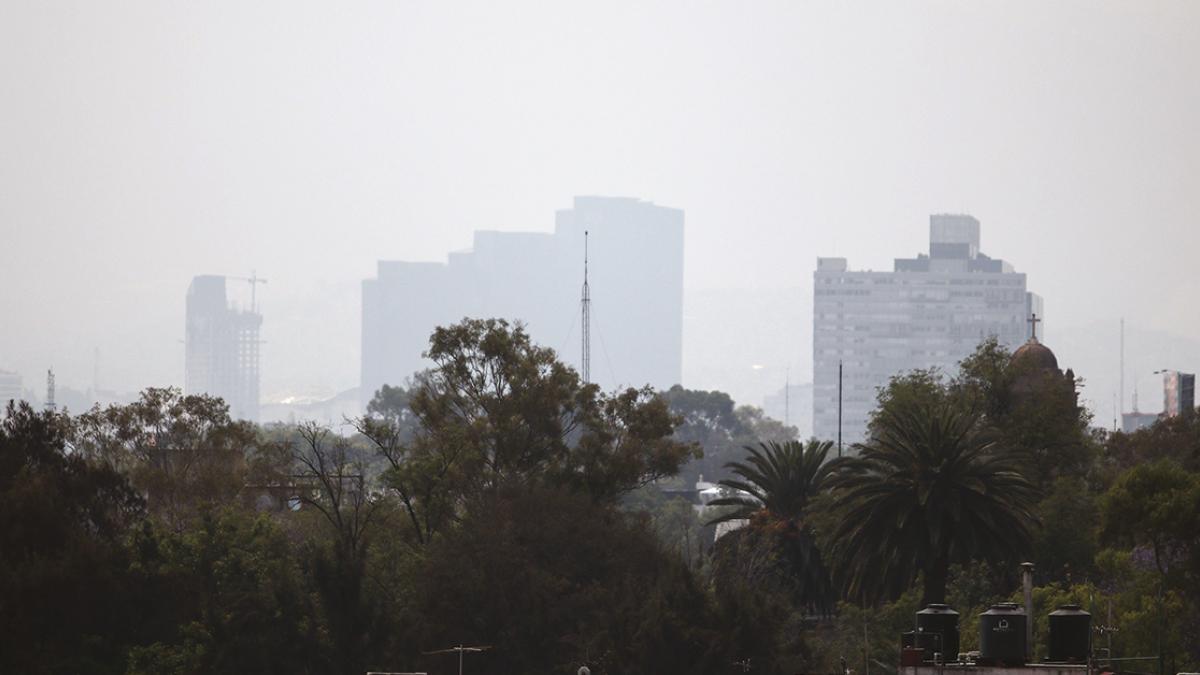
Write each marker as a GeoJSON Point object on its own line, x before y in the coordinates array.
{"type": "Point", "coordinates": [145, 143]}
{"type": "Point", "coordinates": [805, 337]}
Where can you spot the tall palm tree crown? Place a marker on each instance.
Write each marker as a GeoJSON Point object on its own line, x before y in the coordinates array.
{"type": "Point", "coordinates": [779, 478]}
{"type": "Point", "coordinates": [774, 487]}
{"type": "Point", "coordinates": [930, 488]}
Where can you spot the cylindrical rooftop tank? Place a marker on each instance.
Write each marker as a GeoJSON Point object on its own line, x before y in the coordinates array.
{"type": "Point", "coordinates": [1002, 635]}
{"type": "Point", "coordinates": [940, 621]}
{"type": "Point", "coordinates": [1070, 635]}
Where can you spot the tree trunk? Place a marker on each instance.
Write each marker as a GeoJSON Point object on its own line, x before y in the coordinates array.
{"type": "Point", "coordinates": [935, 581]}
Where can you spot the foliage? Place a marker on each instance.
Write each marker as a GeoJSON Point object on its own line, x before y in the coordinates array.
{"type": "Point", "coordinates": [863, 638]}
{"type": "Point", "coordinates": [756, 593]}
{"type": "Point", "coordinates": [675, 521]}
{"type": "Point", "coordinates": [1174, 438]}
{"type": "Point", "coordinates": [930, 488]}
{"type": "Point", "coordinates": [554, 580]}
{"type": "Point", "coordinates": [1158, 506]}
{"type": "Point", "coordinates": [758, 426]}
{"type": "Point", "coordinates": [1037, 413]}
{"type": "Point", "coordinates": [183, 453]}
{"type": "Point", "coordinates": [233, 586]}
{"type": "Point", "coordinates": [780, 478]}
{"type": "Point", "coordinates": [332, 477]}
{"type": "Point", "coordinates": [62, 526]}
{"type": "Point", "coordinates": [714, 423]}
{"type": "Point", "coordinates": [497, 410]}
{"type": "Point", "coordinates": [776, 555]}
{"type": "Point", "coordinates": [709, 420]}
{"type": "Point", "coordinates": [500, 500]}
{"type": "Point", "coordinates": [1066, 539]}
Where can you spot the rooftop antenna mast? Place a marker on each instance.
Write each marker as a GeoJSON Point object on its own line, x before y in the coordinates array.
{"type": "Point", "coordinates": [51, 406]}
{"type": "Point", "coordinates": [460, 649]}
{"type": "Point", "coordinates": [787, 391]}
{"type": "Point", "coordinates": [585, 306]}
{"type": "Point", "coordinates": [1123, 367]}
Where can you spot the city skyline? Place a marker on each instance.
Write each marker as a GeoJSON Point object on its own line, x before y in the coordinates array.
{"type": "Point", "coordinates": [219, 139]}
{"type": "Point", "coordinates": [750, 370]}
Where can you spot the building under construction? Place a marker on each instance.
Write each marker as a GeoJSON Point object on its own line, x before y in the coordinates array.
{"type": "Point", "coordinates": [222, 347]}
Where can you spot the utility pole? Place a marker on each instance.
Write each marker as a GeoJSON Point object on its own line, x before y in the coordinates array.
{"type": "Point", "coordinates": [585, 307]}
{"type": "Point", "coordinates": [1027, 591]}
{"type": "Point", "coordinates": [839, 408]}
{"type": "Point", "coordinates": [787, 393]}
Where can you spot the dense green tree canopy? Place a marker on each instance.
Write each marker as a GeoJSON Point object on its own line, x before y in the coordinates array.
{"type": "Point", "coordinates": [1155, 505]}
{"type": "Point", "coordinates": [497, 410]}
{"type": "Point", "coordinates": [1037, 413]}
{"type": "Point", "coordinates": [183, 453]}
{"type": "Point", "coordinates": [553, 580]}
{"type": "Point", "coordinates": [721, 429]}
{"type": "Point", "coordinates": [498, 499]}
{"type": "Point", "coordinates": [65, 580]}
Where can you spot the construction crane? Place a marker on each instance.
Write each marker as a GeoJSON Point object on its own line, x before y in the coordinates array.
{"type": "Point", "coordinates": [254, 281]}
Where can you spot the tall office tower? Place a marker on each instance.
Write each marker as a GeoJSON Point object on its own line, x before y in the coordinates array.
{"type": "Point", "coordinates": [221, 346]}
{"type": "Point", "coordinates": [1179, 393]}
{"type": "Point", "coordinates": [635, 277]}
{"type": "Point", "coordinates": [930, 311]}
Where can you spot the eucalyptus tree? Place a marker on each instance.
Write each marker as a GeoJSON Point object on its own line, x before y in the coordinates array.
{"type": "Point", "coordinates": [498, 410]}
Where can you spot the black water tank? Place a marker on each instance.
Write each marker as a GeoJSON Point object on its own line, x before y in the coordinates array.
{"type": "Point", "coordinates": [1070, 635]}
{"type": "Point", "coordinates": [941, 621]}
{"type": "Point", "coordinates": [1002, 635]}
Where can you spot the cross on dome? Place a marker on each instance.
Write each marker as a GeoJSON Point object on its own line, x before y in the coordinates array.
{"type": "Point", "coordinates": [1033, 321]}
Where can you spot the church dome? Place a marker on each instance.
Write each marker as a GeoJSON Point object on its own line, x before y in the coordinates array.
{"type": "Point", "coordinates": [1034, 356]}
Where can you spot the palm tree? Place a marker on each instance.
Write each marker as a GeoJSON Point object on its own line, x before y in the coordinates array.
{"type": "Point", "coordinates": [773, 489]}
{"type": "Point", "coordinates": [780, 478]}
{"type": "Point", "coordinates": [930, 488]}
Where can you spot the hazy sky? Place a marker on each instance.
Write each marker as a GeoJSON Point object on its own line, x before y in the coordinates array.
{"type": "Point", "coordinates": [142, 143]}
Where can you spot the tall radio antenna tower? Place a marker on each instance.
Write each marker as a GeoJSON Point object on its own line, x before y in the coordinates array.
{"type": "Point", "coordinates": [585, 306]}
{"type": "Point", "coordinates": [1123, 369]}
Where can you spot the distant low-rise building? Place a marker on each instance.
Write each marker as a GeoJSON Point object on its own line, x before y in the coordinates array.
{"type": "Point", "coordinates": [331, 411]}
{"type": "Point", "coordinates": [1132, 421]}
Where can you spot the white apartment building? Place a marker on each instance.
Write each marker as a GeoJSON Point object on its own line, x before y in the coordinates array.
{"type": "Point", "coordinates": [930, 311]}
